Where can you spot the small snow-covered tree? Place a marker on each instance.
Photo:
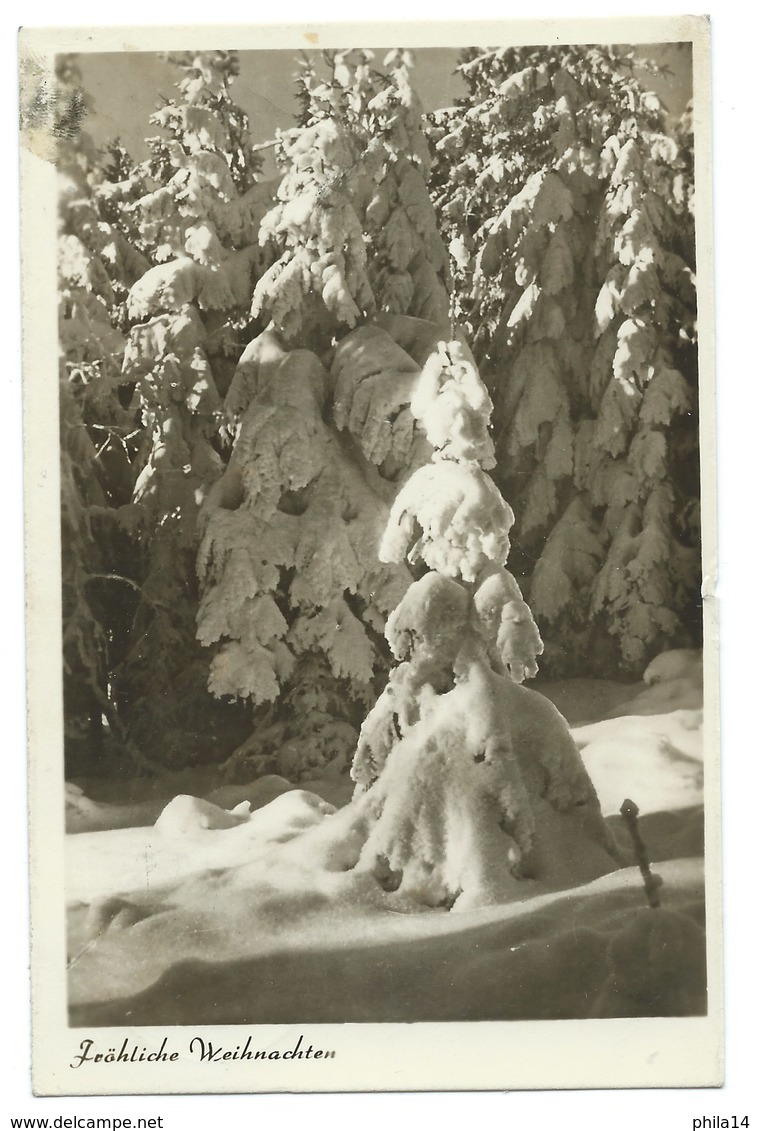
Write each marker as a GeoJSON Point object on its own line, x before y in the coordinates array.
{"type": "Point", "coordinates": [468, 785]}
{"type": "Point", "coordinates": [565, 200]}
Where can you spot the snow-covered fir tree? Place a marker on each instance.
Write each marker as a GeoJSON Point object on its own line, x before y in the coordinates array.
{"type": "Point", "coordinates": [469, 786]}
{"type": "Point", "coordinates": [96, 266]}
{"type": "Point", "coordinates": [566, 203]}
{"type": "Point", "coordinates": [408, 266]}
{"type": "Point", "coordinates": [197, 221]}
{"type": "Point", "coordinates": [294, 596]}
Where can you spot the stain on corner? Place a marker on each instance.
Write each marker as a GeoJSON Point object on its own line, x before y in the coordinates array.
{"type": "Point", "coordinates": [52, 108]}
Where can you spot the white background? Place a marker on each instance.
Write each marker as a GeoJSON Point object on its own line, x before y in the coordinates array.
{"type": "Point", "coordinates": [736, 46]}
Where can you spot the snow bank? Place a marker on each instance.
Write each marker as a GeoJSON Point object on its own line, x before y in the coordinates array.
{"type": "Point", "coordinates": [233, 958]}
{"type": "Point", "coordinates": [148, 797]}
{"type": "Point", "coordinates": [673, 681]}
{"type": "Point", "coordinates": [221, 913]}
{"type": "Point", "coordinates": [190, 837]}
{"type": "Point", "coordinates": [657, 760]}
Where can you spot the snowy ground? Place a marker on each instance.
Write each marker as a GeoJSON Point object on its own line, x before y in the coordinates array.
{"type": "Point", "coordinates": [189, 908]}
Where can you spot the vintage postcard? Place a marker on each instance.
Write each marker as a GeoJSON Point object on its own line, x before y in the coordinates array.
{"type": "Point", "coordinates": [371, 542]}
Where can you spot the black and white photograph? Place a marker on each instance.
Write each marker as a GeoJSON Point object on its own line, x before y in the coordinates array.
{"type": "Point", "coordinates": [371, 529]}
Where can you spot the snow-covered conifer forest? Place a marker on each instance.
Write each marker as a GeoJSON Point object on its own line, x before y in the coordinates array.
{"type": "Point", "coordinates": [381, 544]}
